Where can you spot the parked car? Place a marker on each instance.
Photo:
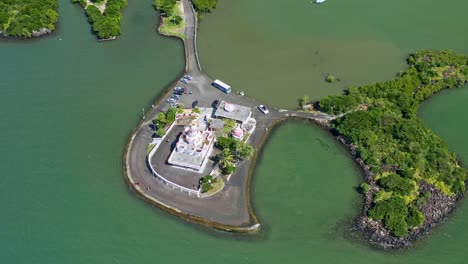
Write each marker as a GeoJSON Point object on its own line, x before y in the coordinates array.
{"type": "Point", "coordinates": [263, 109]}
{"type": "Point", "coordinates": [175, 104]}
{"type": "Point", "coordinates": [176, 96]}
{"type": "Point", "coordinates": [171, 100]}
{"type": "Point", "coordinates": [178, 89]}
{"type": "Point", "coordinates": [185, 80]}
{"type": "Point", "coordinates": [194, 104]}
{"type": "Point", "coordinates": [187, 76]}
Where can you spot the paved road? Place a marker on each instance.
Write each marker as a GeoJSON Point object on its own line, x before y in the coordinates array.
{"type": "Point", "coordinates": [229, 207]}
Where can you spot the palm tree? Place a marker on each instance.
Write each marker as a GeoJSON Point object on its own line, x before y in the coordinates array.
{"type": "Point", "coordinates": [226, 158]}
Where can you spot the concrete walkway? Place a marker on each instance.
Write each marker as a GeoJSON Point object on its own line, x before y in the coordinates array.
{"type": "Point", "coordinates": [230, 208]}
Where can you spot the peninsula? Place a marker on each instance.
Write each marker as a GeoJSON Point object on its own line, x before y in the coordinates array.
{"type": "Point", "coordinates": [194, 152]}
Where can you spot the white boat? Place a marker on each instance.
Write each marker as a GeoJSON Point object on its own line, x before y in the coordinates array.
{"type": "Point", "coordinates": [319, 1]}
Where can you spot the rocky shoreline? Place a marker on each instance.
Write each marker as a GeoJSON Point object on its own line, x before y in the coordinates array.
{"type": "Point", "coordinates": [41, 32]}
{"type": "Point", "coordinates": [34, 34]}
{"type": "Point", "coordinates": [435, 210]}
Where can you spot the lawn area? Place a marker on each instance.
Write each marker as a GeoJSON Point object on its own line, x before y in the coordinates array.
{"type": "Point", "coordinates": [217, 186]}
{"type": "Point", "coordinates": [174, 23]}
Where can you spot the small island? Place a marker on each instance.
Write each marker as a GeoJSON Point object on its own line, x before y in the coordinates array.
{"type": "Point", "coordinates": [27, 18]}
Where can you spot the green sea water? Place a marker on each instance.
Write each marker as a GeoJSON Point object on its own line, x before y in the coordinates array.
{"type": "Point", "coordinates": [278, 50]}
{"type": "Point", "coordinates": [67, 106]}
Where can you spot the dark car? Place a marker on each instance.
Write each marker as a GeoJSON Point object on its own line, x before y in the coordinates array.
{"type": "Point", "coordinates": [194, 104]}
{"type": "Point", "coordinates": [215, 103]}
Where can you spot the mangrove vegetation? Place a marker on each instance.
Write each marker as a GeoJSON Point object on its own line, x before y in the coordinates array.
{"type": "Point", "coordinates": [399, 152]}
{"type": "Point", "coordinates": [104, 16]}
{"type": "Point", "coordinates": [26, 18]}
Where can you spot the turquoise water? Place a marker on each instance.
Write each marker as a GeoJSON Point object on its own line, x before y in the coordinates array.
{"type": "Point", "coordinates": [67, 108]}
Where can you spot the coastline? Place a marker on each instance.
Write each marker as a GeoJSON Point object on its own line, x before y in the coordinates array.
{"type": "Point", "coordinates": [34, 34]}
{"type": "Point", "coordinates": [373, 231]}
{"type": "Point", "coordinates": [253, 225]}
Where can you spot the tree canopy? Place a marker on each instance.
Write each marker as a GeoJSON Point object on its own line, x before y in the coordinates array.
{"type": "Point", "coordinates": [165, 6]}
{"type": "Point", "coordinates": [382, 123]}
{"type": "Point", "coordinates": [204, 5]}
{"type": "Point", "coordinates": [22, 17]}
{"type": "Point", "coordinates": [105, 25]}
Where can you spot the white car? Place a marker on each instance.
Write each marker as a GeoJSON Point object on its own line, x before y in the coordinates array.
{"type": "Point", "coordinates": [263, 109]}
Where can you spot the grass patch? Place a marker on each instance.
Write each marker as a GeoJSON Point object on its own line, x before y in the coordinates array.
{"type": "Point", "coordinates": [173, 24]}
{"type": "Point", "coordinates": [150, 148]}
{"type": "Point", "coordinates": [216, 187]}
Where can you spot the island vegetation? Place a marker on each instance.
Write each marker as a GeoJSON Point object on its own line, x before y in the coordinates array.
{"type": "Point", "coordinates": [406, 163]}
{"type": "Point", "coordinates": [172, 22]}
{"type": "Point", "coordinates": [204, 6]}
{"type": "Point", "coordinates": [163, 121]}
{"type": "Point", "coordinates": [27, 18]}
{"type": "Point", "coordinates": [105, 16]}
{"type": "Point", "coordinates": [331, 78]}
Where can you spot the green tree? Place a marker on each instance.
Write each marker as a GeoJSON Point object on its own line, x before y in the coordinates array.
{"type": "Point", "coordinates": [229, 169]}
{"type": "Point", "coordinates": [204, 5]}
{"type": "Point", "coordinates": [364, 187]}
{"type": "Point", "coordinates": [165, 6]}
{"type": "Point", "coordinates": [180, 108]}
{"type": "Point", "coordinates": [22, 17]}
{"type": "Point", "coordinates": [207, 183]}
{"type": "Point", "coordinates": [105, 25]}
{"type": "Point", "coordinates": [397, 184]}
{"type": "Point", "coordinates": [160, 120]}
{"type": "Point", "coordinates": [243, 150]}
{"type": "Point", "coordinates": [226, 158]}
{"type": "Point", "coordinates": [170, 114]}
{"type": "Point", "coordinates": [160, 132]}
{"type": "Point", "coordinates": [415, 217]}
{"type": "Point", "coordinates": [225, 142]}
{"type": "Point", "coordinates": [229, 125]}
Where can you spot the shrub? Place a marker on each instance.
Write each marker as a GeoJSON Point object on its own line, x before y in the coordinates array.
{"type": "Point", "coordinates": [229, 125]}
{"type": "Point", "coordinates": [160, 132]}
{"type": "Point", "coordinates": [331, 79]}
{"type": "Point", "coordinates": [243, 150]}
{"type": "Point", "coordinates": [225, 142]}
{"type": "Point", "coordinates": [207, 183]}
{"type": "Point", "coordinates": [364, 188]}
{"type": "Point", "coordinates": [165, 6]}
{"type": "Point", "coordinates": [170, 114]}
{"type": "Point", "coordinates": [415, 217]}
{"type": "Point", "coordinates": [160, 120]}
{"type": "Point", "coordinates": [204, 5]}
{"type": "Point", "coordinates": [423, 198]}
{"type": "Point", "coordinates": [393, 212]}
{"type": "Point", "coordinates": [180, 108]}
{"type": "Point", "coordinates": [397, 184]}
{"type": "Point", "coordinates": [22, 17]}
{"type": "Point", "coordinates": [304, 100]}
{"type": "Point", "coordinates": [229, 169]}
